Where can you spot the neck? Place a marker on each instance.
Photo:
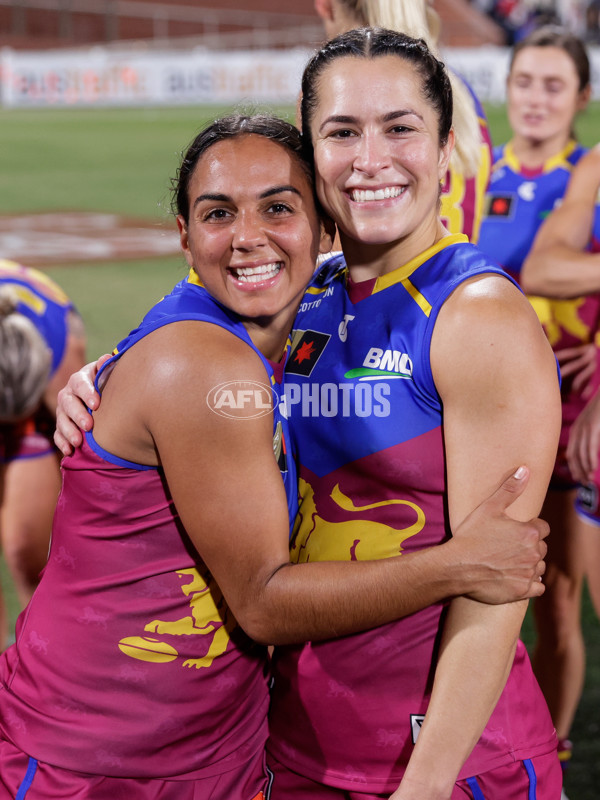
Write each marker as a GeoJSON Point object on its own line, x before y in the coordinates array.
{"type": "Point", "coordinates": [533, 153]}
{"type": "Point", "coordinates": [269, 336]}
{"type": "Point", "coordinates": [366, 261]}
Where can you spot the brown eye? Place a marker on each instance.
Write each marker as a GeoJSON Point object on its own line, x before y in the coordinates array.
{"type": "Point", "coordinates": [216, 214]}
{"type": "Point", "coordinates": [279, 208]}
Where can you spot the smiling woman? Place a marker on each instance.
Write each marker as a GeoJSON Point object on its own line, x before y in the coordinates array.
{"type": "Point", "coordinates": [471, 389]}
{"type": "Point", "coordinates": [381, 156]}
{"type": "Point", "coordinates": [259, 207]}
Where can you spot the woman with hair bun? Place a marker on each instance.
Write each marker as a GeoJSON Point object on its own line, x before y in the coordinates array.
{"type": "Point", "coordinates": [467, 177]}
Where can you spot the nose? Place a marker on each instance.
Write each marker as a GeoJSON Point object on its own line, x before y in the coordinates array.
{"type": "Point", "coordinates": [372, 153]}
{"type": "Point", "coordinates": [247, 232]}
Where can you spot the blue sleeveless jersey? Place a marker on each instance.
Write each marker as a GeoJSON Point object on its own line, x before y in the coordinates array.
{"type": "Point", "coordinates": [360, 381]}
{"type": "Point", "coordinates": [43, 302]}
{"type": "Point", "coordinates": [519, 200]}
{"type": "Point", "coordinates": [367, 424]}
{"type": "Point", "coordinates": [189, 300]}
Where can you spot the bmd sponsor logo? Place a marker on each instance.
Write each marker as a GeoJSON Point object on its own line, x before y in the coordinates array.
{"type": "Point", "coordinates": [380, 363]}
{"type": "Point", "coordinates": [241, 399]}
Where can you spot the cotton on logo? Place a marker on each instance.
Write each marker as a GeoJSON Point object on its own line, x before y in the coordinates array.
{"type": "Point", "coordinates": [240, 399]}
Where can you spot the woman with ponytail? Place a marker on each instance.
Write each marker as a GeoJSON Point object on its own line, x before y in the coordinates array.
{"type": "Point", "coordinates": [467, 178]}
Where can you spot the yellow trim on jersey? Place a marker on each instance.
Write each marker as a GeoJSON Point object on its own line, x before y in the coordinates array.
{"type": "Point", "coordinates": [320, 261]}
{"type": "Point", "coordinates": [194, 278]}
{"type": "Point", "coordinates": [509, 158]}
{"type": "Point", "coordinates": [39, 280]}
{"type": "Point", "coordinates": [559, 160]}
{"type": "Point", "coordinates": [402, 274]}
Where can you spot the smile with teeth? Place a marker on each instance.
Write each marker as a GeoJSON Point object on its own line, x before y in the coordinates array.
{"type": "Point", "coordinates": [366, 195]}
{"type": "Point", "coordinates": [256, 274]}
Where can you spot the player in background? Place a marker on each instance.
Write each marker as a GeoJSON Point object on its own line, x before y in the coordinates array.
{"type": "Point", "coordinates": [467, 178]}
{"type": "Point", "coordinates": [548, 85]}
{"type": "Point", "coordinates": [42, 340]}
{"type": "Point", "coordinates": [563, 263]}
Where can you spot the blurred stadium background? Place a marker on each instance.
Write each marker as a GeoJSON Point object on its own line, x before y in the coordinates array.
{"type": "Point", "coordinates": [99, 97]}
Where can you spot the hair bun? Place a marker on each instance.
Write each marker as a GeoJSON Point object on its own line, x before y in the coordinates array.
{"type": "Point", "coordinates": [8, 301]}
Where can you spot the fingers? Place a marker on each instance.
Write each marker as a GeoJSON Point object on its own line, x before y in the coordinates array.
{"type": "Point", "coordinates": [63, 444]}
{"type": "Point", "coordinates": [509, 490]}
{"type": "Point", "coordinates": [568, 353]}
{"type": "Point", "coordinates": [536, 589]}
{"type": "Point", "coordinates": [582, 449]}
{"type": "Point", "coordinates": [543, 529]}
{"type": "Point", "coordinates": [102, 360]}
{"type": "Point", "coordinates": [81, 384]}
{"type": "Point", "coordinates": [72, 415]}
{"type": "Point", "coordinates": [582, 381]}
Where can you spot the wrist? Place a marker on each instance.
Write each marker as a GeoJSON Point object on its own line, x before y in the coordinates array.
{"type": "Point", "coordinates": [459, 572]}
{"type": "Point", "coordinates": [418, 788]}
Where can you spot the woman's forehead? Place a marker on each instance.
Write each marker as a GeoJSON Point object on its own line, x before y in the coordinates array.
{"type": "Point", "coordinates": [251, 164]}
{"type": "Point", "coordinates": [359, 85]}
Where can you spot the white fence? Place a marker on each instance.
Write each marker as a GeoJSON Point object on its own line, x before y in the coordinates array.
{"type": "Point", "coordinates": [105, 77]}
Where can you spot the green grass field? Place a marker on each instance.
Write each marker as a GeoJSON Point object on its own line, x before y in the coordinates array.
{"type": "Point", "coordinates": [122, 161]}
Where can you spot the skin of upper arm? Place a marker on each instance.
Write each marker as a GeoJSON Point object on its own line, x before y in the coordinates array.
{"type": "Point", "coordinates": [73, 359]}
{"type": "Point", "coordinates": [221, 471]}
{"type": "Point", "coordinates": [496, 375]}
{"type": "Point", "coordinates": [497, 378]}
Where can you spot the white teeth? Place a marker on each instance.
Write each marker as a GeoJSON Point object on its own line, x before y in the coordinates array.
{"type": "Point", "coordinates": [256, 274]}
{"type": "Point", "coordinates": [364, 195]}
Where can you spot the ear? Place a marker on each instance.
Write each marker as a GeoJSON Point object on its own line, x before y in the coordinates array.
{"type": "Point", "coordinates": [584, 97]}
{"type": "Point", "coordinates": [324, 9]}
{"type": "Point", "coordinates": [445, 153]}
{"type": "Point", "coordinates": [184, 240]}
{"type": "Point", "coordinates": [328, 231]}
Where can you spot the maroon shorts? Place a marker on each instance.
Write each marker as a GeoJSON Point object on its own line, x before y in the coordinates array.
{"type": "Point", "coordinates": [538, 778]}
{"type": "Point", "coordinates": [25, 778]}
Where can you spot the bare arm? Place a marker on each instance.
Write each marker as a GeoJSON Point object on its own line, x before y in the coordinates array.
{"type": "Point", "coordinates": [497, 378]}
{"type": "Point", "coordinates": [228, 491]}
{"type": "Point", "coordinates": [584, 442]}
{"type": "Point", "coordinates": [558, 265]}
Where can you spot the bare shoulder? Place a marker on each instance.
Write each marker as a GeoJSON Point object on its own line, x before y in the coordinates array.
{"type": "Point", "coordinates": [486, 301]}
{"type": "Point", "coordinates": [164, 381]}
{"type": "Point", "coordinates": [189, 358]}
{"type": "Point", "coordinates": [487, 327]}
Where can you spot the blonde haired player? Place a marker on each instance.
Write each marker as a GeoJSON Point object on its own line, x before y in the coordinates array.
{"type": "Point", "coordinates": [41, 341]}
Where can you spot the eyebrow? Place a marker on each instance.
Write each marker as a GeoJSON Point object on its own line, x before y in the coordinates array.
{"type": "Point", "coordinates": [224, 198]}
{"type": "Point", "coordinates": [391, 115]}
